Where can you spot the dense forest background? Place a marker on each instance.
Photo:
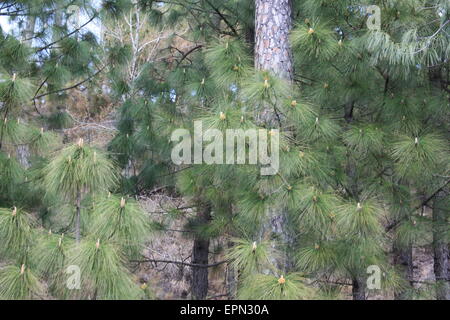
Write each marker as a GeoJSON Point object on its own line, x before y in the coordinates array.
{"type": "Point", "coordinates": [93, 207]}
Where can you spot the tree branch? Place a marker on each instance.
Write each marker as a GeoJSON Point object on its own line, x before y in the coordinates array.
{"type": "Point", "coordinates": [67, 35]}
{"type": "Point", "coordinates": [71, 87]}
{"type": "Point", "coordinates": [188, 53]}
{"type": "Point", "coordinates": [396, 223]}
{"type": "Point", "coordinates": [192, 265]}
{"type": "Point", "coordinates": [223, 18]}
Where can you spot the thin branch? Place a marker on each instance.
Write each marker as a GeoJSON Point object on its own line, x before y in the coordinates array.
{"type": "Point", "coordinates": [67, 35]}
{"type": "Point", "coordinates": [425, 202]}
{"type": "Point", "coordinates": [71, 87]}
{"type": "Point", "coordinates": [188, 53]}
{"type": "Point", "coordinates": [223, 18]}
{"type": "Point", "coordinates": [193, 265]}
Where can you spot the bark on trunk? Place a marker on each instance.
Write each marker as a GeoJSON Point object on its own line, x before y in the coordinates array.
{"type": "Point", "coordinates": [283, 239]}
{"type": "Point", "coordinates": [78, 217]}
{"type": "Point", "coordinates": [231, 277]}
{"type": "Point", "coordinates": [200, 255]}
{"type": "Point", "coordinates": [23, 151]}
{"type": "Point", "coordinates": [58, 23]}
{"type": "Point", "coordinates": [358, 282]}
{"type": "Point", "coordinates": [404, 258]}
{"type": "Point", "coordinates": [440, 246]}
{"type": "Point", "coordinates": [273, 22]}
{"type": "Point", "coordinates": [272, 52]}
{"type": "Point", "coordinates": [23, 155]}
{"type": "Point", "coordinates": [358, 289]}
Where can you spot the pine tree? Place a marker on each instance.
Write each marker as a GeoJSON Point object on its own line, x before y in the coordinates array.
{"type": "Point", "coordinates": [364, 144]}
{"type": "Point", "coordinates": [363, 120]}
{"type": "Point", "coordinates": [64, 183]}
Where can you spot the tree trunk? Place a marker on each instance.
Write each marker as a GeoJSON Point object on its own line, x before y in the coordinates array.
{"type": "Point", "coordinates": [272, 53]}
{"type": "Point", "coordinates": [231, 278]}
{"type": "Point", "coordinates": [358, 282]}
{"type": "Point", "coordinates": [23, 155]}
{"type": "Point", "coordinates": [58, 23]}
{"type": "Point", "coordinates": [23, 151]}
{"type": "Point", "coordinates": [440, 246]}
{"type": "Point", "coordinates": [200, 255]}
{"type": "Point", "coordinates": [358, 289]}
{"type": "Point", "coordinates": [78, 217]}
{"type": "Point", "coordinates": [28, 32]}
{"type": "Point", "coordinates": [404, 259]}
{"type": "Point", "coordinates": [273, 22]}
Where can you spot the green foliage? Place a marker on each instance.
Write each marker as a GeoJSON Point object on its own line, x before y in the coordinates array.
{"type": "Point", "coordinates": [50, 257]}
{"type": "Point", "coordinates": [360, 220]}
{"type": "Point", "coordinates": [19, 283]}
{"type": "Point", "coordinates": [263, 86]}
{"type": "Point", "coordinates": [59, 120]}
{"type": "Point", "coordinates": [363, 144]}
{"type": "Point", "coordinates": [103, 274]}
{"type": "Point", "coordinates": [15, 91]}
{"type": "Point", "coordinates": [13, 131]}
{"type": "Point", "coordinates": [119, 55]}
{"type": "Point", "coordinates": [268, 287]}
{"type": "Point", "coordinates": [56, 74]}
{"type": "Point", "coordinates": [75, 54]}
{"type": "Point", "coordinates": [418, 157]}
{"type": "Point", "coordinates": [121, 221]}
{"type": "Point", "coordinates": [365, 139]}
{"type": "Point", "coordinates": [79, 167]}
{"type": "Point", "coordinates": [316, 258]}
{"type": "Point", "coordinates": [41, 141]}
{"type": "Point", "coordinates": [115, 8]}
{"type": "Point", "coordinates": [12, 176]}
{"type": "Point", "coordinates": [317, 209]}
{"type": "Point", "coordinates": [16, 232]}
{"type": "Point", "coordinates": [249, 256]}
{"type": "Point", "coordinates": [229, 63]}
{"type": "Point", "coordinates": [14, 54]}
{"type": "Point", "coordinates": [50, 253]}
{"type": "Point", "coordinates": [414, 231]}
{"type": "Point", "coordinates": [316, 40]}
